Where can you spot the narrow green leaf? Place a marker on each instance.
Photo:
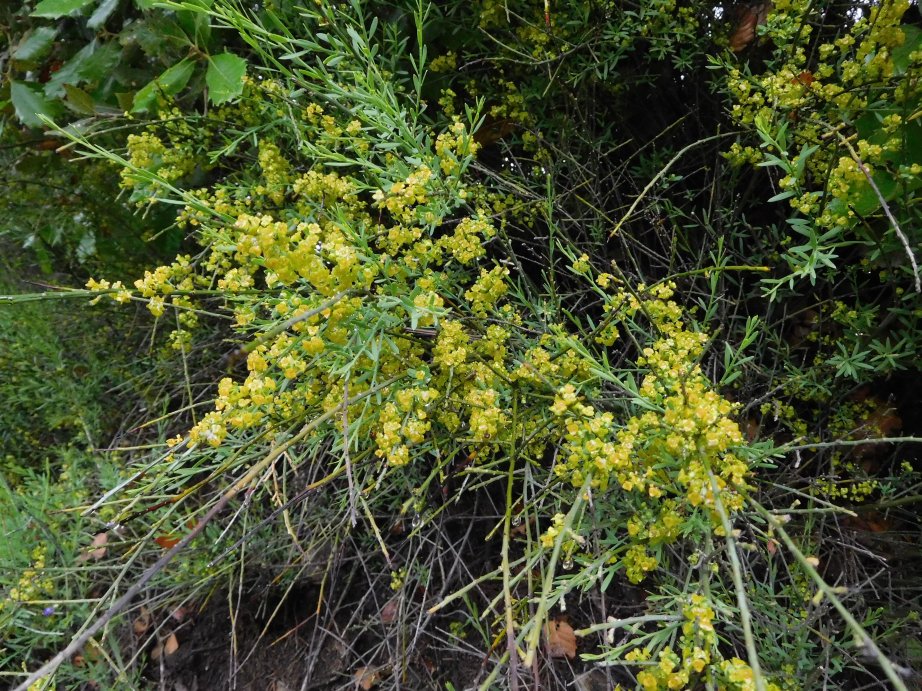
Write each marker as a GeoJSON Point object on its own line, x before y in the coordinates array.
{"type": "Point", "coordinates": [58, 8]}
{"type": "Point", "coordinates": [101, 13]}
{"type": "Point", "coordinates": [36, 44]}
{"type": "Point", "coordinates": [225, 77]}
{"type": "Point", "coordinates": [29, 103]}
{"type": "Point", "coordinates": [170, 83]}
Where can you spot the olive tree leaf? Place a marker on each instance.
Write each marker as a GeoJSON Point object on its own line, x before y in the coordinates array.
{"type": "Point", "coordinates": [169, 83]}
{"type": "Point", "coordinates": [58, 8]}
{"type": "Point", "coordinates": [30, 103]}
{"type": "Point", "coordinates": [225, 77]}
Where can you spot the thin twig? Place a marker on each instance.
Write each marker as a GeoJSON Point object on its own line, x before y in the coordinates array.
{"type": "Point", "coordinates": [353, 513]}
{"type": "Point", "coordinates": [739, 585]}
{"type": "Point", "coordinates": [862, 639]}
{"type": "Point", "coordinates": [656, 178]}
{"type": "Point", "coordinates": [80, 640]}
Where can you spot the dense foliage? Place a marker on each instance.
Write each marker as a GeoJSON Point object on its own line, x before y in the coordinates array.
{"type": "Point", "coordinates": [584, 316]}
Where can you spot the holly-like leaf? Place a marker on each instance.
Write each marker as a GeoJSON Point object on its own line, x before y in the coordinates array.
{"type": "Point", "coordinates": [101, 13]}
{"type": "Point", "coordinates": [92, 63]}
{"type": "Point", "coordinates": [225, 77]}
{"type": "Point", "coordinates": [58, 8]}
{"type": "Point", "coordinates": [169, 83]}
{"type": "Point", "coordinates": [79, 100]}
{"type": "Point", "coordinates": [36, 44]}
{"type": "Point", "coordinates": [30, 103]}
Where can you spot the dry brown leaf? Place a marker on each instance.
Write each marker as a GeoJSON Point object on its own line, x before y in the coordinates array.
{"type": "Point", "coordinates": [390, 610]}
{"type": "Point", "coordinates": [165, 648]}
{"type": "Point", "coordinates": [166, 541]}
{"type": "Point", "coordinates": [171, 645]}
{"type": "Point", "coordinates": [367, 677]}
{"type": "Point", "coordinates": [142, 623]}
{"type": "Point", "coordinates": [561, 640]}
{"type": "Point", "coordinates": [745, 31]}
{"type": "Point", "coordinates": [749, 17]}
{"type": "Point", "coordinates": [99, 551]}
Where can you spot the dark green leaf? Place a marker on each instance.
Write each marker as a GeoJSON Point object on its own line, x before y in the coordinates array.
{"type": "Point", "coordinates": [35, 45]}
{"type": "Point", "coordinates": [170, 83]}
{"type": "Point", "coordinates": [225, 77]}
{"type": "Point", "coordinates": [125, 100]}
{"type": "Point", "coordinates": [911, 43]}
{"type": "Point", "coordinates": [58, 8]}
{"type": "Point", "coordinates": [92, 63]}
{"type": "Point", "coordinates": [79, 100]}
{"type": "Point", "coordinates": [101, 14]}
{"type": "Point", "coordinates": [29, 103]}
{"type": "Point", "coordinates": [195, 24]}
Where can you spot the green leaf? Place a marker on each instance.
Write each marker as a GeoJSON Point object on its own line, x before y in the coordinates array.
{"type": "Point", "coordinates": [58, 8]}
{"type": "Point", "coordinates": [170, 83]}
{"type": "Point", "coordinates": [912, 41]}
{"type": "Point", "coordinates": [36, 44]}
{"type": "Point", "coordinates": [29, 103]}
{"type": "Point", "coordinates": [101, 14]}
{"type": "Point", "coordinates": [92, 63]}
{"type": "Point", "coordinates": [195, 23]}
{"type": "Point", "coordinates": [79, 100]}
{"type": "Point", "coordinates": [225, 77]}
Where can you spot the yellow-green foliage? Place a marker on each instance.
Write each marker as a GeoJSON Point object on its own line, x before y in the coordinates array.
{"type": "Point", "coordinates": [854, 86]}
{"type": "Point", "coordinates": [368, 294]}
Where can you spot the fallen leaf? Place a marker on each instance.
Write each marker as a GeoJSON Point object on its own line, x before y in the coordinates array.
{"type": "Point", "coordinates": [749, 17]}
{"type": "Point", "coordinates": [872, 522]}
{"type": "Point", "coordinates": [561, 640]}
{"type": "Point", "coordinates": [171, 645]}
{"type": "Point", "coordinates": [390, 610]}
{"type": "Point", "coordinates": [165, 648]}
{"type": "Point", "coordinates": [367, 677]}
{"type": "Point", "coordinates": [493, 129]}
{"type": "Point", "coordinates": [142, 623]}
{"type": "Point", "coordinates": [99, 551]}
{"type": "Point", "coordinates": [166, 541]}
{"type": "Point", "coordinates": [753, 428]}
{"type": "Point", "coordinates": [745, 31]}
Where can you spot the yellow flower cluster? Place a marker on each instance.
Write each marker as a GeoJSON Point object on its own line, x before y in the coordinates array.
{"type": "Point", "coordinates": [698, 655]}
{"type": "Point", "coordinates": [570, 540]}
{"type": "Point", "coordinates": [403, 424]}
{"type": "Point", "coordinates": [838, 84]}
{"type": "Point", "coordinates": [33, 582]}
{"type": "Point", "coordinates": [487, 290]}
{"type": "Point", "coordinates": [673, 454]}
